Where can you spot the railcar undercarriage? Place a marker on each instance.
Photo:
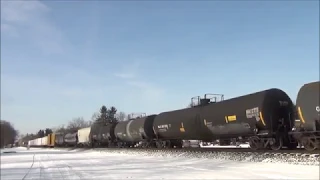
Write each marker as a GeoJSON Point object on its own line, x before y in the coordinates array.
{"type": "Point", "coordinates": [310, 140]}
{"type": "Point", "coordinates": [275, 142]}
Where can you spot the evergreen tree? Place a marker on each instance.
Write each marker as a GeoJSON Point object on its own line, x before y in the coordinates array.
{"type": "Point", "coordinates": [48, 131]}
{"type": "Point", "coordinates": [112, 115]}
{"type": "Point", "coordinates": [103, 118]}
{"type": "Point", "coordinates": [41, 133]}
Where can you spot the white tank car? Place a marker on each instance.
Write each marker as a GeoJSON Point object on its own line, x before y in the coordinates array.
{"type": "Point", "coordinates": [84, 136]}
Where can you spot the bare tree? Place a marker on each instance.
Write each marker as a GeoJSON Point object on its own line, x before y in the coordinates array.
{"type": "Point", "coordinates": [23, 141]}
{"type": "Point", "coordinates": [59, 129]}
{"type": "Point", "coordinates": [121, 116]}
{"type": "Point", "coordinates": [77, 123]}
{"type": "Point", "coordinates": [90, 123]}
{"type": "Point", "coordinates": [8, 133]}
{"type": "Point", "coordinates": [95, 116]}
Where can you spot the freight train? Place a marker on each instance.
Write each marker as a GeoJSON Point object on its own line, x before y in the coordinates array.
{"type": "Point", "coordinates": [265, 119]}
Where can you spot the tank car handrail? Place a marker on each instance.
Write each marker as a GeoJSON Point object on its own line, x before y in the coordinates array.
{"type": "Point", "coordinates": [199, 99]}
{"type": "Point", "coordinates": [192, 101]}
{"type": "Point", "coordinates": [215, 96]}
{"type": "Point", "coordinates": [136, 115]}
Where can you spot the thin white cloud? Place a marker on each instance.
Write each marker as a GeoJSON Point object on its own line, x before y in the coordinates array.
{"type": "Point", "coordinates": [76, 85]}
{"type": "Point", "coordinates": [131, 77]}
{"type": "Point", "coordinates": [29, 19]}
{"type": "Point", "coordinates": [129, 70]}
{"type": "Point", "coordinates": [148, 90]}
{"type": "Point", "coordinates": [9, 30]}
{"type": "Point", "coordinates": [22, 11]}
{"type": "Point", "coordinates": [125, 75]}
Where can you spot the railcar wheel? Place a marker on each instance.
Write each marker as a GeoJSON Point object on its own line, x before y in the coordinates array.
{"type": "Point", "coordinates": [308, 144]}
{"type": "Point", "coordinates": [168, 144]}
{"type": "Point", "coordinates": [159, 145]}
{"type": "Point", "coordinates": [255, 143]}
{"type": "Point", "coordinates": [276, 144]}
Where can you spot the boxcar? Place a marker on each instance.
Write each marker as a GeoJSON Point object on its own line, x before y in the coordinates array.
{"type": "Point", "coordinates": [44, 141]}
{"type": "Point", "coordinates": [38, 142]}
{"type": "Point", "coordinates": [51, 140]}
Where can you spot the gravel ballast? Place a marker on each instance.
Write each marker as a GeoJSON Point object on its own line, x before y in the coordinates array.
{"type": "Point", "coordinates": [292, 158]}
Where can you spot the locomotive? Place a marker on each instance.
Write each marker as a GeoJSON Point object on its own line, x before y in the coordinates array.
{"type": "Point", "coordinates": [265, 119]}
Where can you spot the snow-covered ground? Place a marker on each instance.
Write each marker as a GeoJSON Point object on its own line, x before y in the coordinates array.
{"type": "Point", "coordinates": [90, 164]}
{"type": "Point", "coordinates": [230, 146]}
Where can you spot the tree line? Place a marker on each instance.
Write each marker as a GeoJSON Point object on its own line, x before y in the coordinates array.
{"type": "Point", "coordinates": [8, 133]}
{"type": "Point", "coordinates": [103, 116]}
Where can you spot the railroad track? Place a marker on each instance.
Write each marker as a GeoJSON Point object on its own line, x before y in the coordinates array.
{"type": "Point", "coordinates": [235, 150]}
{"type": "Point", "coordinates": [298, 151]}
{"type": "Point", "coordinates": [297, 156]}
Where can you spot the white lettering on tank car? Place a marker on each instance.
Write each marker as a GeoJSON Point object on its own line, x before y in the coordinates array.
{"type": "Point", "coordinates": [253, 113]}
{"type": "Point", "coordinates": [317, 108]}
{"type": "Point", "coordinates": [283, 103]}
{"type": "Point", "coordinates": [164, 126]}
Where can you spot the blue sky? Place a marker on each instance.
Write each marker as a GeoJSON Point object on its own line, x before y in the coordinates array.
{"type": "Point", "coordinates": [61, 60]}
